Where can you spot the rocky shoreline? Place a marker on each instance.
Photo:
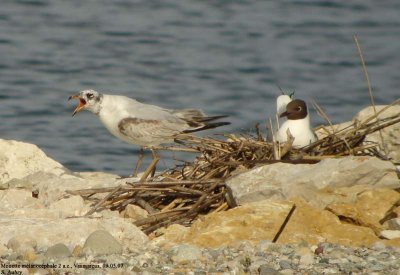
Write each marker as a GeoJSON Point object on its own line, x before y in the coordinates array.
{"type": "Point", "coordinates": [346, 220]}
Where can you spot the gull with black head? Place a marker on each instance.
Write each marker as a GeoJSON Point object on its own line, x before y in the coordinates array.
{"type": "Point", "coordinates": [298, 123]}
{"type": "Point", "coordinates": [145, 125]}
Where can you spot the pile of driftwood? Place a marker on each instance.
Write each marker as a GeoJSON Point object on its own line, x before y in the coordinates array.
{"type": "Point", "coordinates": [197, 188]}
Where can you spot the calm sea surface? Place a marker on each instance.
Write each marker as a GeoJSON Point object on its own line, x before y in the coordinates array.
{"type": "Point", "coordinates": [225, 57]}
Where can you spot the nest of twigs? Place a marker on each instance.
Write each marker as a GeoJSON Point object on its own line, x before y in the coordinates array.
{"type": "Point", "coordinates": [181, 194]}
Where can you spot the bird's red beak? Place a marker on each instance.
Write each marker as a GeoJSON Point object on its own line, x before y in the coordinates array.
{"type": "Point", "coordinates": [81, 104]}
{"type": "Point", "coordinates": [284, 114]}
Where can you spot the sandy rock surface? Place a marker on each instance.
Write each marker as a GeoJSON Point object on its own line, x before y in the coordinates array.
{"type": "Point", "coordinates": [261, 221]}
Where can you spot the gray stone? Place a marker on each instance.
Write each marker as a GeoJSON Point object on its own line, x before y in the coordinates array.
{"type": "Point", "coordinates": [288, 271]}
{"type": "Point", "coordinates": [285, 264]}
{"type": "Point", "coordinates": [185, 253]}
{"type": "Point", "coordinates": [101, 242]}
{"type": "Point", "coordinates": [284, 181]}
{"type": "Point", "coordinates": [378, 246]}
{"type": "Point", "coordinates": [394, 224]}
{"type": "Point", "coordinates": [267, 270]}
{"type": "Point", "coordinates": [306, 259]}
{"type": "Point", "coordinates": [22, 243]}
{"type": "Point", "coordinates": [264, 245]}
{"type": "Point", "coordinates": [214, 253]}
{"type": "Point", "coordinates": [58, 251]}
{"type": "Point", "coordinates": [383, 256]}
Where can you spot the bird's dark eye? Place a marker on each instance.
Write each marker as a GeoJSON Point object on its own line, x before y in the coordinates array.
{"type": "Point", "coordinates": [90, 96]}
{"type": "Point", "coordinates": [298, 109]}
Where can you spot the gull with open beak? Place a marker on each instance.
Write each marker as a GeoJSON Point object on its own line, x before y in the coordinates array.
{"type": "Point", "coordinates": [81, 105]}
{"type": "Point", "coordinates": [147, 126]}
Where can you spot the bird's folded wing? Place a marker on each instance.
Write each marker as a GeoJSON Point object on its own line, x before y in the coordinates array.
{"type": "Point", "coordinates": [137, 128]}
{"type": "Point", "coordinates": [146, 111]}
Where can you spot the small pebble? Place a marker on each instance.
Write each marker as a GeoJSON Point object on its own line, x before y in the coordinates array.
{"type": "Point", "coordinates": [58, 251]}
{"type": "Point", "coordinates": [101, 242]}
{"type": "Point", "coordinates": [285, 265]}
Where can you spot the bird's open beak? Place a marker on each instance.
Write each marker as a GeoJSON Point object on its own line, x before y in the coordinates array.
{"type": "Point", "coordinates": [81, 104]}
{"type": "Point", "coordinates": [284, 114]}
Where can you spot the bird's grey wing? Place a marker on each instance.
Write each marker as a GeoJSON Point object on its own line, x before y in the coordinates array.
{"type": "Point", "coordinates": [148, 112]}
{"type": "Point", "coordinates": [188, 114]}
{"type": "Point", "coordinates": [155, 129]}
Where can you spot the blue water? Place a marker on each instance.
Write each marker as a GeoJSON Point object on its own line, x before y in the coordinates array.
{"type": "Point", "coordinates": [225, 57]}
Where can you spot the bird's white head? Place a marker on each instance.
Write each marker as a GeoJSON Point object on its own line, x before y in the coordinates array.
{"type": "Point", "coordinates": [89, 100]}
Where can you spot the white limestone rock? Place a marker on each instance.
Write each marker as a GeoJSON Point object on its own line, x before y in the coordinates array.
{"type": "Point", "coordinates": [51, 187]}
{"type": "Point", "coordinates": [24, 165]}
{"type": "Point", "coordinates": [12, 199]}
{"type": "Point", "coordinates": [390, 234]}
{"type": "Point", "coordinates": [20, 159]}
{"type": "Point", "coordinates": [134, 212]}
{"type": "Point", "coordinates": [390, 134]}
{"type": "Point", "coordinates": [70, 207]}
{"type": "Point", "coordinates": [284, 181]}
{"type": "Point", "coordinates": [326, 130]}
{"type": "Point", "coordinates": [49, 231]}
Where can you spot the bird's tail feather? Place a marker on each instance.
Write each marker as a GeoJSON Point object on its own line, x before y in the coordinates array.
{"type": "Point", "coordinates": [207, 118]}
{"type": "Point", "coordinates": [207, 126]}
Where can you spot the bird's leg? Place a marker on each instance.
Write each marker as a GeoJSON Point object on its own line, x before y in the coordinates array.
{"type": "Point", "coordinates": [152, 167]}
{"type": "Point", "coordinates": [155, 157]}
{"type": "Point", "coordinates": [138, 162]}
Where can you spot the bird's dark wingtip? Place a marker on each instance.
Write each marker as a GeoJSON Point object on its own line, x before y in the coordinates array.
{"type": "Point", "coordinates": [208, 126]}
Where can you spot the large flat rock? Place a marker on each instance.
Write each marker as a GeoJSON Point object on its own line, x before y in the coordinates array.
{"type": "Point", "coordinates": [311, 181]}
{"type": "Point", "coordinates": [260, 221]}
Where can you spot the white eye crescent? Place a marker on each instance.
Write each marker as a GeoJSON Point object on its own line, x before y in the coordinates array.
{"type": "Point", "coordinates": [90, 96]}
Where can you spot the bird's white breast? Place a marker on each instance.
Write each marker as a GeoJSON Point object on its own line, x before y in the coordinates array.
{"type": "Point", "coordinates": [300, 130]}
{"type": "Point", "coordinates": [112, 112]}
